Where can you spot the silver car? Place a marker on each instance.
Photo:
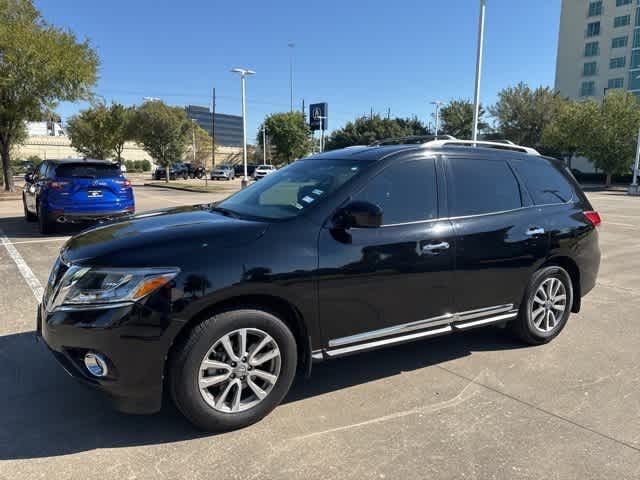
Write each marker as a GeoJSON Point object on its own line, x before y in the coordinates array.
{"type": "Point", "coordinates": [262, 171]}
{"type": "Point", "coordinates": [223, 172]}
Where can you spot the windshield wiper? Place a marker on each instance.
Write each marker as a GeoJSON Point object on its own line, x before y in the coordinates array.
{"type": "Point", "coordinates": [225, 211]}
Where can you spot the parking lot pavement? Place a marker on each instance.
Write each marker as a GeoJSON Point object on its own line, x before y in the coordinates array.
{"type": "Point", "coordinates": [472, 405]}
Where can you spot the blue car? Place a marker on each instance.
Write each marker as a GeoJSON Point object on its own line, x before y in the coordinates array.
{"type": "Point", "coordinates": [74, 191]}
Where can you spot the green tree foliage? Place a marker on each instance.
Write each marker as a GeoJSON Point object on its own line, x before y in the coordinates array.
{"type": "Point", "coordinates": [39, 66]}
{"type": "Point", "coordinates": [456, 119]}
{"type": "Point", "coordinates": [606, 132]}
{"type": "Point", "coordinates": [289, 133]}
{"type": "Point", "coordinates": [100, 132]}
{"type": "Point", "coordinates": [137, 165]}
{"type": "Point", "coordinates": [203, 146]}
{"type": "Point", "coordinates": [162, 131]}
{"type": "Point", "coordinates": [522, 114]}
{"type": "Point", "coordinates": [366, 130]}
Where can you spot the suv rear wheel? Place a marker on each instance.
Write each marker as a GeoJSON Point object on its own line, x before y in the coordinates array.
{"type": "Point", "coordinates": [45, 225]}
{"type": "Point", "coordinates": [233, 369]}
{"type": "Point", "coordinates": [546, 306]}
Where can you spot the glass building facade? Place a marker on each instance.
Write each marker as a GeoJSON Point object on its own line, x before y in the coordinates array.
{"type": "Point", "coordinates": [228, 127]}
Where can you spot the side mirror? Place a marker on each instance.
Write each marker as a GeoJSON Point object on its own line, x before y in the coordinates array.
{"type": "Point", "coordinates": [28, 177]}
{"type": "Point", "coordinates": [359, 215]}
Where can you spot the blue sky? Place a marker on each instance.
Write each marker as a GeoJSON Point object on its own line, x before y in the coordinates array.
{"type": "Point", "coordinates": [355, 55]}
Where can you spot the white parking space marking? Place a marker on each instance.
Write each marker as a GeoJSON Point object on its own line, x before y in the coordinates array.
{"type": "Point", "coordinates": [42, 240]}
{"type": "Point", "coordinates": [23, 268]}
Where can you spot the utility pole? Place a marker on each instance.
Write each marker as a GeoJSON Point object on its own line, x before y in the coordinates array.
{"type": "Point", "coordinates": [438, 104]}
{"type": "Point", "coordinates": [389, 113]}
{"type": "Point", "coordinates": [291, 45]}
{"type": "Point", "coordinates": [213, 128]}
{"type": "Point", "coordinates": [264, 144]}
{"type": "Point", "coordinates": [476, 109]}
{"type": "Point", "coordinates": [193, 140]}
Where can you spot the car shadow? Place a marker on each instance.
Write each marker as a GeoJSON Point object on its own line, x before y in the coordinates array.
{"type": "Point", "coordinates": [47, 413]}
{"type": "Point", "coordinates": [17, 228]}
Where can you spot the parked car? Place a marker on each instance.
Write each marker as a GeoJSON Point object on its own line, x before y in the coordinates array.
{"type": "Point", "coordinates": [262, 171]}
{"type": "Point", "coordinates": [338, 253]}
{"type": "Point", "coordinates": [223, 172]}
{"type": "Point", "coordinates": [193, 171]}
{"type": "Point", "coordinates": [238, 169]}
{"type": "Point", "coordinates": [177, 170]}
{"type": "Point", "coordinates": [73, 191]}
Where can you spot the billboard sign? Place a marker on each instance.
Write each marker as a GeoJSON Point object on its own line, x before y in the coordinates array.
{"type": "Point", "coordinates": [318, 116]}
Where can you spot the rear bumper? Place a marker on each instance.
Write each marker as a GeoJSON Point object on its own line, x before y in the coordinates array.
{"type": "Point", "coordinates": [65, 216]}
{"type": "Point", "coordinates": [134, 339]}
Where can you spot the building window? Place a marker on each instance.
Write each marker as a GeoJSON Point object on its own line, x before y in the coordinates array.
{"type": "Point", "coordinates": [587, 89]}
{"type": "Point", "coordinates": [619, 42]}
{"type": "Point", "coordinates": [637, 17]}
{"type": "Point", "coordinates": [635, 59]}
{"type": "Point", "coordinates": [615, 83]}
{"type": "Point", "coordinates": [622, 21]}
{"type": "Point", "coordinates": [634, 81]}
{"type": "Point", "coordinates": [620, 3]}
{"type": "Point", "coordinates": [592, 49]}
{"type": "Point", "coordinates": [618, 62]}
{"type": "Point", "coordinates": [595, 9]}
{"type": "Point", "coordinates": [589, 69]}
{"type": "Point", "coordinates": [593, 29]}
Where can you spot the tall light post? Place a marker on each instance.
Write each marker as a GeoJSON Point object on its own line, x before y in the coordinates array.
{"type": "Point", "coordinates": [244, 72]}
{"type": "Point", "coordinates": [193, 140]}
{"type": "Point", "coordinates": [438, 104]}
{"type": "Point", "coordinates": [476, 107]}
{"type": "Point", "coordinates": [264, 144]}
{"type": "Point", "coordinates": [291, 46]}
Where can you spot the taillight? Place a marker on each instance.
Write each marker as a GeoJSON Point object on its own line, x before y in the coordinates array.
{"type": "Point", "coordinates": [126, 183]}
{"type": "Point", "coordinates": [593, 217]}
{"type": "Point", "coordinates": [58, 185]}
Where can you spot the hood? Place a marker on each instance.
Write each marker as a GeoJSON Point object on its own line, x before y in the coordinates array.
{"type": "Point", "coordinates": [156, 238]}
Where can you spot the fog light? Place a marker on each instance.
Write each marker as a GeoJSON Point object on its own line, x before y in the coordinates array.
{"type": "Point", "coordinates": [96, 364]}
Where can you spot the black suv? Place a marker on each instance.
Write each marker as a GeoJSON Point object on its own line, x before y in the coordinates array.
{"type": "Point", "coordinates": [342, 252]}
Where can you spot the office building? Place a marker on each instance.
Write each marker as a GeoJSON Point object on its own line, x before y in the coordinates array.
{"type": "Point", "coordinates": [228, 127]}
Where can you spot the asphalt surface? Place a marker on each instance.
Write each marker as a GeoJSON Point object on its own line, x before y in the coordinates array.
{"type": "Point", "coordinates": [471, 405]}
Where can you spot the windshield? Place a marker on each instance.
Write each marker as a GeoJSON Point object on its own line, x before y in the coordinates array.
{"type": "Point", "coordinates": [289, 191]}
{"type": "Point", "coordinates": [88, 170]}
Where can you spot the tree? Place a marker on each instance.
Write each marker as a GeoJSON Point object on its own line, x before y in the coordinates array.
{"type": "Point", "coordinates": [368, 129]}
{"type": "Point", "coordinates": [456, 119]}
{"type": "Point", "coordinates": [39, 66]}
{"type": "Point", "coordinates": [162, 131]}
{"type": "Point", "coordinates": [522, 113]}
{"type": "Point", "coordinates": [289, 133]}
{"type": "Point", "coordinates": [100, 132]}
{"type": "Point", "coordinates": [203, 145]}
{"type": "Point", "coordinates": [605, 133]}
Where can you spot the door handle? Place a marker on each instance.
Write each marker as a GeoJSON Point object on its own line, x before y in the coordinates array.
{"type": "Point", "coordinates": [434, 247]}
{"type": "Point", "coordinates": [535, 231]}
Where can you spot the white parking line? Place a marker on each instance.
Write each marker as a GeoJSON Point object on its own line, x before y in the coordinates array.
{"type": "Point", "coordinates": [23, 268]}
{"type": "Point", "coordinates": [42, 240]}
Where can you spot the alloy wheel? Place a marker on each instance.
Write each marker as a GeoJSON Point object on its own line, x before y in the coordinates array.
{"type": "Point", "coordinates": [549, 304]}
{"type": "Point", "coordinates": [239, 370]}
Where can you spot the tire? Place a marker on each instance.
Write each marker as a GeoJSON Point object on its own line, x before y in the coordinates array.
{"type": "Point", "coordinates": [203, 407]}
{"type": "Point", "coordinates": [538, 328]}
{"type": "Point", "coordinates": [44, 224]}
{"type": "Point", "coordinates": [28, 216]}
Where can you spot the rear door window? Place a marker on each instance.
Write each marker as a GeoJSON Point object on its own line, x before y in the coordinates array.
{"type": "Point", "coordinates": [545, 183]}
{"type": "Point", "coordinates": [81, 170]}
{"type": "Point", "coordinates": [406, 192]}
{"type": "Point", "coordinates": [478, 186]}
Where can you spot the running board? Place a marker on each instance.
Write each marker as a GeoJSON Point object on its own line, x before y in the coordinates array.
{"type": "Point", "coordinates": [430, 328]}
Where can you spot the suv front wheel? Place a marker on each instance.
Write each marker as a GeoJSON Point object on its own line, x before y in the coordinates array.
{"type": "Point", "coordinates": [233, 369]}
{"type": "Point", "coordinates": [546, 306]}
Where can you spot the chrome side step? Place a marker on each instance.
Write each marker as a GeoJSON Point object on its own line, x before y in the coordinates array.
{"type": "Point", "coordinates": [428, 328]}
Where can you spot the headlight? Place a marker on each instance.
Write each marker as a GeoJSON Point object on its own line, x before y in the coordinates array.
{"type": "Point", "coordinates": [91, 286]}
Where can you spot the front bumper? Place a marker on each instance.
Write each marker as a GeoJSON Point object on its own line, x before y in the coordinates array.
{"type": "Point", "coordinates": [134, 338]}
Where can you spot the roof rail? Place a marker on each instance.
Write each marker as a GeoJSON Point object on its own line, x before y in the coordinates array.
{"type": "Point", "coordinates": [481, 143]}
{"type": "Point", "coordinates": [410, 140]}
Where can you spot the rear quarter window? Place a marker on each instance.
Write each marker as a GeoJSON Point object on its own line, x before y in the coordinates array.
{"type": "Point", "coordinates": [544, 181]}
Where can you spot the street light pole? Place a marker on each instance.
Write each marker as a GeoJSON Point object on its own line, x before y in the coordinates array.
{"type": "Point", "coordinates": [291, 46]}
{"type": "Point", "coordinates": [193, 144]}
{"type": "Point", "coordinates": [243, 72]}
{"type": "Point", "coordinates": [264, 145]}
{"type": "Point", "coordinates": [438, 104]}
{"type": "Point", "coordinates": [634, 188]}
{"type": "Point", "coordinates": [476, 108]}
